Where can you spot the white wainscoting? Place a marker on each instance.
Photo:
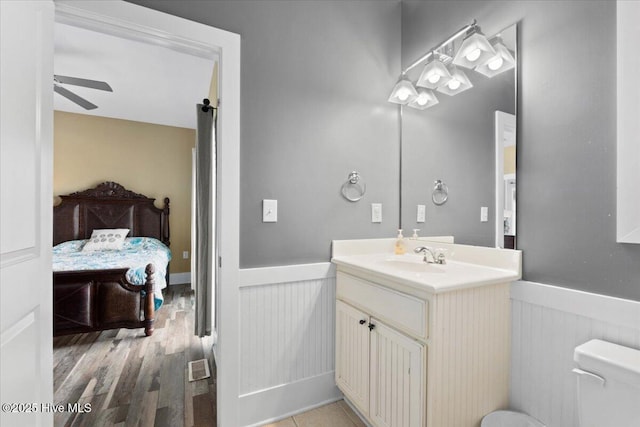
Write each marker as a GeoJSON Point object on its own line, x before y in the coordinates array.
{"type": "Point", "coordinates": [548, 322]}
{"type": "Point", "coordinates": [287, 336]}
{"type": "Point", "coordinates": [287, 317]}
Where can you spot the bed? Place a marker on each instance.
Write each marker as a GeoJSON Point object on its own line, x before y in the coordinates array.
{"type": "Point", "coordinates": [101, 290]}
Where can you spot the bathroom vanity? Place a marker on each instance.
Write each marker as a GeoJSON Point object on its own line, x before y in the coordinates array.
{"type": "Point", "coordinates": [422, 344]}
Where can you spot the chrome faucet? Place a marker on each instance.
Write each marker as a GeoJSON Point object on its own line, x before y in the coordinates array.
{"type": "Point", "coordinates": [437, 255]}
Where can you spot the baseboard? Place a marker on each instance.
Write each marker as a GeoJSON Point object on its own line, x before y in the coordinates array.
{"type": "Point", "coordinates": [179, 278]}
{"type": "Point", "coordinates": [276, 403]}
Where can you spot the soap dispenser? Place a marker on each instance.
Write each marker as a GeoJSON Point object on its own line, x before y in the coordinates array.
{"type": "Point", "coordinates": [400, 245]}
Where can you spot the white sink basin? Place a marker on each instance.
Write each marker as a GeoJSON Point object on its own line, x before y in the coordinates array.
{"type": "Point", "coordinates": [411, 270]}
{"type": "Point", "coordinates": [413, 263]}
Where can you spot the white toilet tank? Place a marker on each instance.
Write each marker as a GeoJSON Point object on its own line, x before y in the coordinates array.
{"type": "Point", "coordinates": [608, 384]}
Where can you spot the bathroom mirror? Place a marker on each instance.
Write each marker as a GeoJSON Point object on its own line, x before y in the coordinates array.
{"type": "Point", "coordinates": [628, 102]}
{"type": "Point", "coordinates": [469, 142]}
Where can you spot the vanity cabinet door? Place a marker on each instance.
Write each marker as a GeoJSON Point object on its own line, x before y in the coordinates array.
{"type": "Point", "coordinates": [352, 354]}
{"type": "Point", "coordinates": [397, 378]}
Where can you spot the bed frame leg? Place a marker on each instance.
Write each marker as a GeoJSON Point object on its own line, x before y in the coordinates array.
{"type": "Point", "coordinates": [149, 304]}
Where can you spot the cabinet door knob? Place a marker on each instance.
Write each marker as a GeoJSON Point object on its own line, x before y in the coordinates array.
{"type": "Point", "coordinates": [363, 321]}
{"type": "Point", "coordinates": [371, 326]}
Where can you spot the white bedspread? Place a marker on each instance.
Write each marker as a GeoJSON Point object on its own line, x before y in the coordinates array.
{"type": "Point", "coordinates": [136, 253]}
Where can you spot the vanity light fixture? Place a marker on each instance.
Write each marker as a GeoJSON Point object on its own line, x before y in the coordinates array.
{"type": "Point", "coordinates": [459, 82]}
{"type": "Point", "coordinates": [502, 61]}
{"type": "Point", "coordinates": [475, 50]}
{"type": "Point", "coordinates": [403, 92]}
{"type": "Point", "coordinates": [442, 72]}
{"type": "Point", "coordinates": [434, 74]}
{"type": "Point", "coordinates": [425, 99]}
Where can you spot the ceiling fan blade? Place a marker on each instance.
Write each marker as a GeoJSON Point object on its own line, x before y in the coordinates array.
{"type": "Point", "coordinates": [93, 84]}
{"type": "Point", "coordinates": [74, 98]}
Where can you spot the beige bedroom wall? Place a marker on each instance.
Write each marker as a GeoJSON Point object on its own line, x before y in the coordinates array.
{"type": "Point", "coordinates": [213, 85]}
{"type": "Point", "coordinates": [145, 158]}
{"type": "Point", "coordinates": [510, 159]}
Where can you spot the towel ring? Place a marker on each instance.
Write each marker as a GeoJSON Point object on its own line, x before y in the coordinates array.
{"type": "Point", "coordinates": [351, 189]}
{"type": "Point", "coordinates": [440, 193]}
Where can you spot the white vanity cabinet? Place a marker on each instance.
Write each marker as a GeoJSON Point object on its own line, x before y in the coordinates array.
{"type": "Point", "coordinates": [352, 354]}
{"type": "Point", "coordinates": [380, 369]}
{"type": "Point", "coordinates": [397, 378]}
{"type": "Point", "coordinates": [409, 357]}
{"type": "Point", "coordinates": [379, 363]}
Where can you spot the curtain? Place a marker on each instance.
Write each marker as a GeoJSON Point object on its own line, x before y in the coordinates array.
{"type": "Point", "coordinates": [206, 252]}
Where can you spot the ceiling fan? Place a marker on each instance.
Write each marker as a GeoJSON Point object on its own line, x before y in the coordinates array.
{"type": "Point", "coordinates": [93, 84]}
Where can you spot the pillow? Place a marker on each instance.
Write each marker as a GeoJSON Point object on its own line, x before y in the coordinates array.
{"type": "Point", "coordinates": [109, 239]}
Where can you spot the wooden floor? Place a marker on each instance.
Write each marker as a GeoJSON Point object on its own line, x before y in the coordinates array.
{"type": "Point", "coordinates": [133, 380]}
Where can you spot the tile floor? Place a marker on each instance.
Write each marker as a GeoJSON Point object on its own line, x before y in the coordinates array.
{"type": "Point", "coordinates": [337, 414]}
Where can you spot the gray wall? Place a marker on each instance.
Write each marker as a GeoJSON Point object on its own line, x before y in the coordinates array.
{"type": "Point", "coordinates": [566, 137]}
{"type": "Point", "coordinates": [315, 77]}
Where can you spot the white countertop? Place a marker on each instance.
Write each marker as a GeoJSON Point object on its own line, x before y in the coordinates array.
{"type": "Point", "coordinates": [466, 266]}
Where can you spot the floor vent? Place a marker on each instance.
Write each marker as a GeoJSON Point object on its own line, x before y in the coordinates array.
{"type": "Point", "coordinates": [199, 370]}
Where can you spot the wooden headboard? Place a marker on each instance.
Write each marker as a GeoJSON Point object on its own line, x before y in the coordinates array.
{"type": "Point", "coordinates": [109, 205]}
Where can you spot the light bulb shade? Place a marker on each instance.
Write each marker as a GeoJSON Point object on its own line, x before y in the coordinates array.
{"type": "Point", "coordinates": [403, 92]}
{"type": "Point", "coordinates": [434, 74]}
{"type": "Point", "coordinates": [459, 82]}
{"type": "Point", "coordinates": [425, 99]}
{"type": "Point", "coordinates": [474, 51]}
{"type": "Point", "coordinates": [501, 62]}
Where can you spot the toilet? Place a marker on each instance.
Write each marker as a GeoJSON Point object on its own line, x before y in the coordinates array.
{"type": "Point", "coordinates": [608, 384]}
{"type": "Point", "coordinates": [509, 419]}
{"type": "Point", "coordinates": [608, 389]}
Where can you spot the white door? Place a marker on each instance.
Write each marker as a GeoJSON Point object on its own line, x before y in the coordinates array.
{"type": "Point", "coordinates": [352, 355]}
{"type": "Point", "coordinates": [26, 132]}
{"type": "Point", "coordinates": [505, 143]}
{"type": "Point", "coordinates": [396, 379]}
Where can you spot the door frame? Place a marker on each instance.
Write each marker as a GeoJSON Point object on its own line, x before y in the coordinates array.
{"type": "Point", "coordinates": [140, 23]}
{"type": "Point", "coordinates": [502, 122]}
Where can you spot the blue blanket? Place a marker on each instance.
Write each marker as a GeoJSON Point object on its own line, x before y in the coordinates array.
{"type": "Point", "coordinates": [136, 253]}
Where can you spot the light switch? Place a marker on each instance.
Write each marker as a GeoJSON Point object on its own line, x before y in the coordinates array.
{"type": "Point", "coordinates": [484, 214]}
{"type": "Point", "coordinates": [376, 212]}
{"type": "Point", "coordinates": [185, 254]}
{"type": "Point", "coordinates": [269, 210]}
{"type": "Point", "coordinates": [421, 213]}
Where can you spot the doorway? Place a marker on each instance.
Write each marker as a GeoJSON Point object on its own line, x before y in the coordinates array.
{"type": "Point", "coordinates": [505, 180]}
{"type": "Point", "coordinates": [147, 150]}
{"type": "Point", "coordinates": [121, 17]}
